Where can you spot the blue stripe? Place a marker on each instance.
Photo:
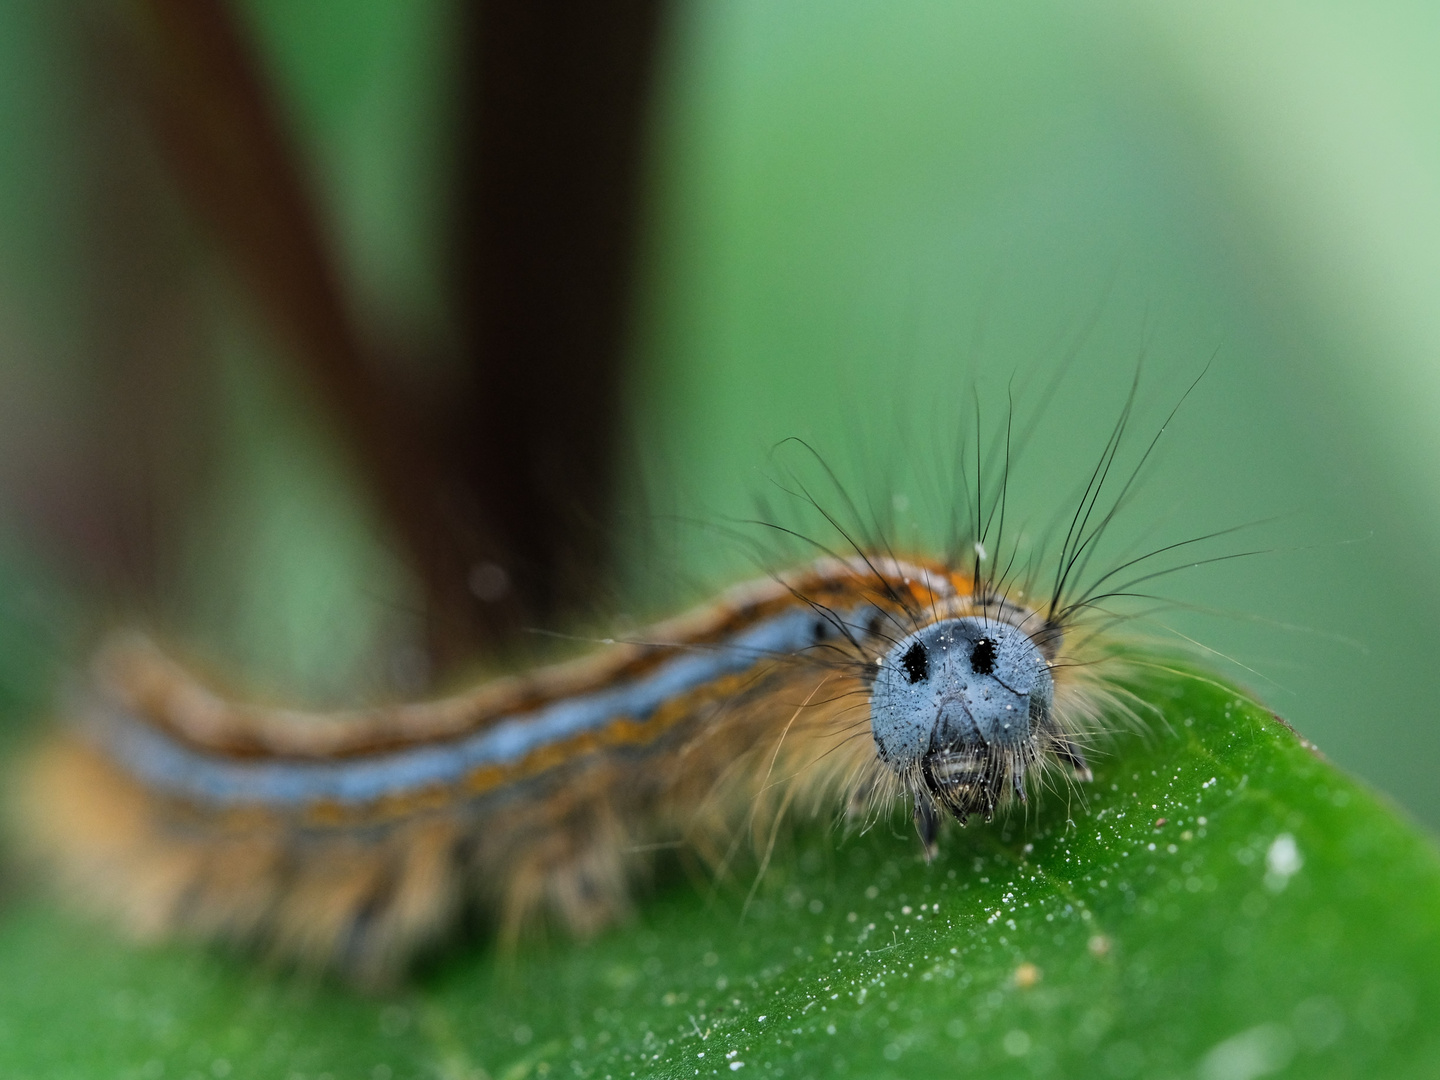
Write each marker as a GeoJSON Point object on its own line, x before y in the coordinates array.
{"type": "Point", "coordinates": [163, 763]}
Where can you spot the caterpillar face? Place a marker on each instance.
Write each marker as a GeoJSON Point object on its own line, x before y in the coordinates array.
{"type": "Point", "coordinates": [959, 708]}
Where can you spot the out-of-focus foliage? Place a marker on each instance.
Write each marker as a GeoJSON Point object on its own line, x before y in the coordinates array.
{"type": "Point", "coordinates": [854, 212]}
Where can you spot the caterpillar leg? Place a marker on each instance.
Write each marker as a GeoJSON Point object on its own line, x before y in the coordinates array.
{"type": "Point", "coordinates": [578, 875]}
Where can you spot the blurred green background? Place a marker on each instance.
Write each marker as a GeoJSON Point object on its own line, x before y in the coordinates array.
{"type": "Point", "coordinates": [853, 215]}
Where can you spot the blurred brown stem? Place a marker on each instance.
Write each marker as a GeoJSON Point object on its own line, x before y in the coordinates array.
{"type": "Point", "coordinates": [557, 101]}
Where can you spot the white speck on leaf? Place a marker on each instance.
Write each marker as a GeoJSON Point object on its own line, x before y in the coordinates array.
{"type": "Point", "coordinates": [1282, 862]}
{"type": "Point", "coordinates": [1256, 1052]}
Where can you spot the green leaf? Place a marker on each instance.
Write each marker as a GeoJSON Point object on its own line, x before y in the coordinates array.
{"type": "Point", "coordinates": [1221, 903]}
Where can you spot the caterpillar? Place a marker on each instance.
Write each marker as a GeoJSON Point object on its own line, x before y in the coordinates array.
{"type": "Point", "coordinates": [357, 841]}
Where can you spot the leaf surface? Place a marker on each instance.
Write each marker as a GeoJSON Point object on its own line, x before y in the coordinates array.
{"type": "Point", "coordinates": [1220, 903]}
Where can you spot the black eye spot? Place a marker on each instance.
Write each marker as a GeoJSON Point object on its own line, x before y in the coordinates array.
{"type": "Point", "coordinates": [982, 657]}
{"type": "Point", "coordinates": [873, 624]}
{"type": "Point", "coordinates": [820, 630]}
{"type": "Point", "coordinates": [917, 663]}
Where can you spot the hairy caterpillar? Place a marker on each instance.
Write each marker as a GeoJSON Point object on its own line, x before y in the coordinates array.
{"type": "Point", "coordinates": [354, 841]}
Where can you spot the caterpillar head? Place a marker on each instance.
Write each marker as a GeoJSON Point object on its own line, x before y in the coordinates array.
{"type": "Point", "coordinates": [959, 709]}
